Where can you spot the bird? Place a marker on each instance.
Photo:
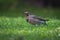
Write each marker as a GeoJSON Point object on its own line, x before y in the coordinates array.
{"type": "Point", "coordinates": [35, 20]}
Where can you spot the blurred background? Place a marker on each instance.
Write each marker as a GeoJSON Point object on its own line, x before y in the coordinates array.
{"type": "Point", "coordinates": [16, 8]}
{"type": "Point", "coordinates": [13, 25]}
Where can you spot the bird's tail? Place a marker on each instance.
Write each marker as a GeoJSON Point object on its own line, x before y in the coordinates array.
{"type": "Point", "coordinates": [46, 19]}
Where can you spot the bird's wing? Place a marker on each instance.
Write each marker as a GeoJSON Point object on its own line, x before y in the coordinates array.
{"type": "Point", "coordinates": [39, 18]}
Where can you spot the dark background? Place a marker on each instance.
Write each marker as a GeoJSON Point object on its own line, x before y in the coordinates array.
{"type": "Point", "coordinates": [39, 7]}
{"type": "Point", "coordinates": [7, 4]}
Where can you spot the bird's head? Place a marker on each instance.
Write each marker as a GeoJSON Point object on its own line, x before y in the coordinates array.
{"type": "Point", "coordinates": [27, 13]}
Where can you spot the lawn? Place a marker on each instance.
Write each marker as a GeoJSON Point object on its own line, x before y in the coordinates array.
{"type": "Point", "coordinates": [16, 28]}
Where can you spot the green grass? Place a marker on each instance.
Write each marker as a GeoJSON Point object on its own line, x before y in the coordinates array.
{"type": "Point", "coordinates": [16, 28]}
